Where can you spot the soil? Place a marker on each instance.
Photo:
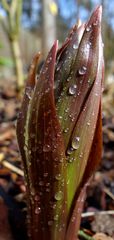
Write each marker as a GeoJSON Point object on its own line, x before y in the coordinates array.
{"type": "Point", "coordinates": [100, 193]}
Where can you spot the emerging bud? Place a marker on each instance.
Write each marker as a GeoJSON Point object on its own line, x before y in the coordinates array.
{"type": "Point", "coordinates": [59, 131]}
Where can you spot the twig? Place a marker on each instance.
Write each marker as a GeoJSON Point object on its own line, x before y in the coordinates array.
{"type": "Point", "coordinates": [89, 214]}
{"type": "Point", "coordinates": [107, 191]}
{"type": "Point", "coordinates": [5, 5]}
{"type": "Point", "coordinates": [10, 166]}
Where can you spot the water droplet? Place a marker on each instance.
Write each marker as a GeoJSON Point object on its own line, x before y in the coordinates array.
{"type": "Point", "coordinates": [29, 233]}
{"type": "Point", "coordinates": [95, 23]}
{"type": "Point", "coordinates": [47, 184]}
{"type": "Point", "coordinates": [58, 176]}
{"type": "Point", "coordinates": [47, 90]}
{"type": "Point", "coordinates": [66, 110]}
{"type": "Point", "coordinates": [72, 89]}
{"type": "Point", "coordinates": [88, 45]}
{"type": "Point", "coordinates": [89, 81]}
{"type": "Point", "coordinates": [37, 210]}
{"type": "Point", "coordinates": [68, 79]}
{"type": "Point", "coordinates": [65, 130]}
{"type": "Point", "coordinates": [75, 143]}
{"type": "Point", "coordinates": [45, 174]}
{"type": "Point", "coordinates": [50, 223]}
{"type": "Point", "coordinates": [58, 196]}
{"type": "Point", "coordinates": [60, 229]}
{"type": "Point", "coordinates": [32, 192]}
{"type": "Point", "coordinates": [88, 123]}
{"type": "Point", "coordinates": [41, 183]}
{"type": "Point", "coordinates": [54, 206]}
{"type": "Point", "coordinates": [56, 217]}
{"type": "Point", "coordinates": [32, 135]}
{"type": "Point", "coordinates": [81, 155]}
{"type": "Point", "coordinates": [47, 189]}
{"type": "Point", "coordinates": [88, 28]}
{"type": "Point", "coordinates": [82, 70]}
{"type": "Point", "coordinates": [36, 198]}
{"type": "Point", "coordinates": [46, 148]}
{"type": "Point", "coordinates": [73, 219]}
{"type": "Point", "coordinates": [75, 46]}
{"type": "Point", "coordinates": [28, 92]}
{"type": "Point", "coordinates": [70, 150]}
{"type": "Point", "coordinates": [71, 159]}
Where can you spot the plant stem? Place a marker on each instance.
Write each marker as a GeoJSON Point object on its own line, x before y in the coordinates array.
{"type": "Point", "coordinates": [14, 10]}
{"type": "Point", "coordinates": [84, 235]}
{"type": "Point", "coordinates": [18, 63]}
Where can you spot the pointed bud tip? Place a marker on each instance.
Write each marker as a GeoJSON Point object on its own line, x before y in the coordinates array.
{"type": "Point", "coordinates": [79, 23]}
{"type": "Point", "coordinates": [99, 8]}
{"type": "Point", "coordinates": [56, 44]}
{"type": "Point", "coordinates": [96, 16]}
{"type": "Point", "coordinates": [98, 12]}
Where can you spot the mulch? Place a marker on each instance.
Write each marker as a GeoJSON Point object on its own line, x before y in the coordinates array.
{"type": "Point", "coordinates": [100, 193]}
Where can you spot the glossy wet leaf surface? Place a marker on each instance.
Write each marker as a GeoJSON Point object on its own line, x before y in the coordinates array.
{"type": "Point", "coordinates": [58, 130]}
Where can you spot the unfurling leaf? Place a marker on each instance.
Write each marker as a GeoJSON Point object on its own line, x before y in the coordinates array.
{"type": "Point", "coordinates": [59, 131]}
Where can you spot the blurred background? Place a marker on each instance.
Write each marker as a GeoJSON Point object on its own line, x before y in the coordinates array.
{"type": "Point", "coordinates": [29, 26]}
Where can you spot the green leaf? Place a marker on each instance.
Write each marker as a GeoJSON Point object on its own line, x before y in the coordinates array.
{"type": "Point", "coordinates": [23, 115]}
{"type": "Point", "coordinates": [81, 78]}
{"type": "Point", "coordinates": [65, 62]}
{"type": "Point", "coordinates": [4, 61]}
{"type": "Point", "coordinates": [45, 158]}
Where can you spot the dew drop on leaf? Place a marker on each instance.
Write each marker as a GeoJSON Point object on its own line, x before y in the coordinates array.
{"type": "Point", "coordinates": [88, 28]}
{"type": "Point", "coordinates": [71, 159]}
{"type": "Point", "coordinates": [58, 68]}
{"type": "Point", "coordinates": [47, 190]}
{"type": "Point", "coordinates": [50, 223]}
{"type": "Point", "coordinates": [75, 46]}
{"type": "Point", "coordinates": [89, 81]}
{"type": "Point", "coordinates": [36, 197]}
{"type": "Point", "coordinates": [66, 130]}
{"type": "Point", "coordinates": [70, 150]}
{"type": "Point", "coordinates": [46, 148]}
{"type": "Point", "coordinates": [28, 92]}
{"type": "Point", "coordinates": [58, 196]}
{"type": "Point", "coordinates": [82, 70]}
{"type": "Point", "coordinates": [37, 210]}
{"type": "Point", "coordinates": [41, 183]}
{"type": "Point", "coordinates": [32, 135]}
{"type": "Point", "coordinates": [45, 174]}
{"type": "Point", "coordinates": [72, 89]}
{"type": "Point", "coordinates": [66, 110]}
{"type": "Point", "coordinates": [88, 45]}
{"type": "Point", "coordinates": [54, 206]}
{"type": "Point", "coordinates": [56, 217]}
{"type": "Point", "coordinates": [58, 176]}
{"type": "Point", "coordinates": [75, 143]}
{"type": "Point", "coordinates": [88, 123]}
{"type": "Point", "coordinates": [95, 23]}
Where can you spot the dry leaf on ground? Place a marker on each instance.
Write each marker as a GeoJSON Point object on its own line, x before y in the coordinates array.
{"type": "Point", "coordinates": [101, 236]}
